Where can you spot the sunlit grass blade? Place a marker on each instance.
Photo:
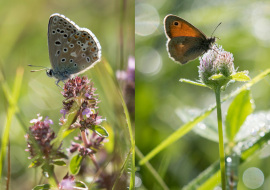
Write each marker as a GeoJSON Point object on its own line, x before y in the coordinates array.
{"type": "Point", "coordinates": [132, 141]}
{"type": "Point", "coordinates": [152, 170]}
{"type": "Point", "coordinates": [123, 168]}
{"type": "Point", "coordinates": [108, 89]}
{"type": "Point", "coordinates": [188, 126]}
{"type": "Point", "coordinates": [176, 135]}
{"type": "Point", "coordinates": [12, 102]}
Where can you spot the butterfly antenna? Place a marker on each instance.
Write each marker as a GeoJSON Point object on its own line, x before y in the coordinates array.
{"type": "Point", "coordinates": [43, 68]}
{"type": "Point", "coordinates": [216, 29]}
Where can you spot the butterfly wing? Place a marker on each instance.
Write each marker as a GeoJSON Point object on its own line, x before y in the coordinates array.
{"type": "Point", "coordinates": [185, 41]}
{"type": "Point", "coordinates": [71, 49]}
{"type": "Point", "coordinates": [184, 49]}
{"type": "Point", "coordinates": [177, 27]}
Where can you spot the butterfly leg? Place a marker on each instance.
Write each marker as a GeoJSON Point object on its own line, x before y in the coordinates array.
{"type": "Point", "coordinates": [56, 82]}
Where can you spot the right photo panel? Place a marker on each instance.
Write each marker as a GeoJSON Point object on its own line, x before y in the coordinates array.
{"type": "Point", "coordinates": [202, 109]}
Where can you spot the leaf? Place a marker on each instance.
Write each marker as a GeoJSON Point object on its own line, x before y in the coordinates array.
{"type": "Point", "coordinates": [241, 76]}
{"type": "Point", "coordinates": [193, 82]}
{"type": "Point", "coordinates": [240, 108]}
{"type": "Point", "coordinates": [42, 187]}
{"type": "Point", "coordinates": [250, 129]}
{"type": "Point", "coordinates": [34, 164]}
{"type": "Point", "coordinates": [218, 77]}
{"type": "Point", "coordinates": [81, 185]}
{"type": "Point", "coordinates": [101, 131]}
{"type": "Point", "coordinates": [59, 162]}
{"type": "Point", "coordinates": [61, 155]}
{"type": "Point", "coordinates": [62, 132]}
{"type": "Point", "coordinates": [75, 164]}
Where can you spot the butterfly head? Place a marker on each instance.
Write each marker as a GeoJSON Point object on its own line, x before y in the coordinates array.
{"type": "Point", "coordinates": [50, 73]}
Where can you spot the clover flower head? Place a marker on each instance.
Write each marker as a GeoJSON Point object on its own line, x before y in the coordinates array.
{"type": "Point", "coordinates": [216, 62]}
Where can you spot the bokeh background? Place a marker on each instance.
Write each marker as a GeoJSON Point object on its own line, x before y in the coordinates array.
{"type": "Point", "coordinates": [23, 41]}
{"type": "Point", "coordinates": [245, 32]}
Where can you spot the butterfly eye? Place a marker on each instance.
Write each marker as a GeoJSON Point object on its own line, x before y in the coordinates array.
{"type": "Point", "coordinates": [49, 73]}
{"type": "Point", "coordinates": [175, 23]}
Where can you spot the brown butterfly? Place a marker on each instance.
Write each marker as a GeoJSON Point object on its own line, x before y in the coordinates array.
{"type": "Point", "coordinates": [185, 41]}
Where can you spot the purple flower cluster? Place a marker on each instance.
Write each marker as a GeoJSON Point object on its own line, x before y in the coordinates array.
{"type": "Point", "coordinates": [95, 143]}
{"type": "Point", "coordinates": [39, 141]}
{"type": "Point", "coordinates": [80, 102]}
{"type": "Point", "coordinates": [79, 96]}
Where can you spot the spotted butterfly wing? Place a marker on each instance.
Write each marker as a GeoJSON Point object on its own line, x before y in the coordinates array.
{"type": "Point", "coordinates": [72, 50]}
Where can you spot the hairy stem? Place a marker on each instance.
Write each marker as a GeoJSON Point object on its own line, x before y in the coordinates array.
{"type": "Point", "coordinates": [221, 144]}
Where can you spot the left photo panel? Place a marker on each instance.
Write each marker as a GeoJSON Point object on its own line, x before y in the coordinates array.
{"type": "Point", "coordinates": [67, 93]}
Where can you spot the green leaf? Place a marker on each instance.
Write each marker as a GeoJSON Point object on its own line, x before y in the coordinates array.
{"type": "Point", "coordinates": [59, 162]}
{"type": "Point", "coordinates": [193, 82]}
{"type": "Point", "coordinates": [62, 133]}
{"type": "Point", "coordinates": [81, 185]}
{"type": "Point", "coordinates": [217, 77]}
{"type": "Point", "coordinates": [34, 164]}
{"type": "Point", "coordinates": [75, 164]}
{"type": "Point", "coordinates": [42, 187]}
{"type": "Point", "coordinates": [240, 108]}
{"type": "Point", "coordinates": [241, 76]}
{"type": "Point", "coordinates": [61, 155]}
{"type": "Point", "coordinates": [101, 131]}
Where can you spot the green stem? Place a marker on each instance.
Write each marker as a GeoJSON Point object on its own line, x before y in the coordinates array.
{"type": "Point", "coordinates": [221, 144]}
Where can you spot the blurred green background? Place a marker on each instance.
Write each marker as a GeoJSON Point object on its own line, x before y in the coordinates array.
{"type": "Point", "coordinates": [245, 32]}
{"type": "Point", "coordinates": [23, 41]}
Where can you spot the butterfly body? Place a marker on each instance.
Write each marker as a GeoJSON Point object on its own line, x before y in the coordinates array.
{"type": "Point", "coordinates": [185, 42]}
{"type": "Point", "coordinates": [72, 50]}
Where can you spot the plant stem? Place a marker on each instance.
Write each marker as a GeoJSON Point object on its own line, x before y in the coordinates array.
{"type": "Point", "coordinates": [221, 144]}
{"type": "Point", "coordinates": [84, 138]}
